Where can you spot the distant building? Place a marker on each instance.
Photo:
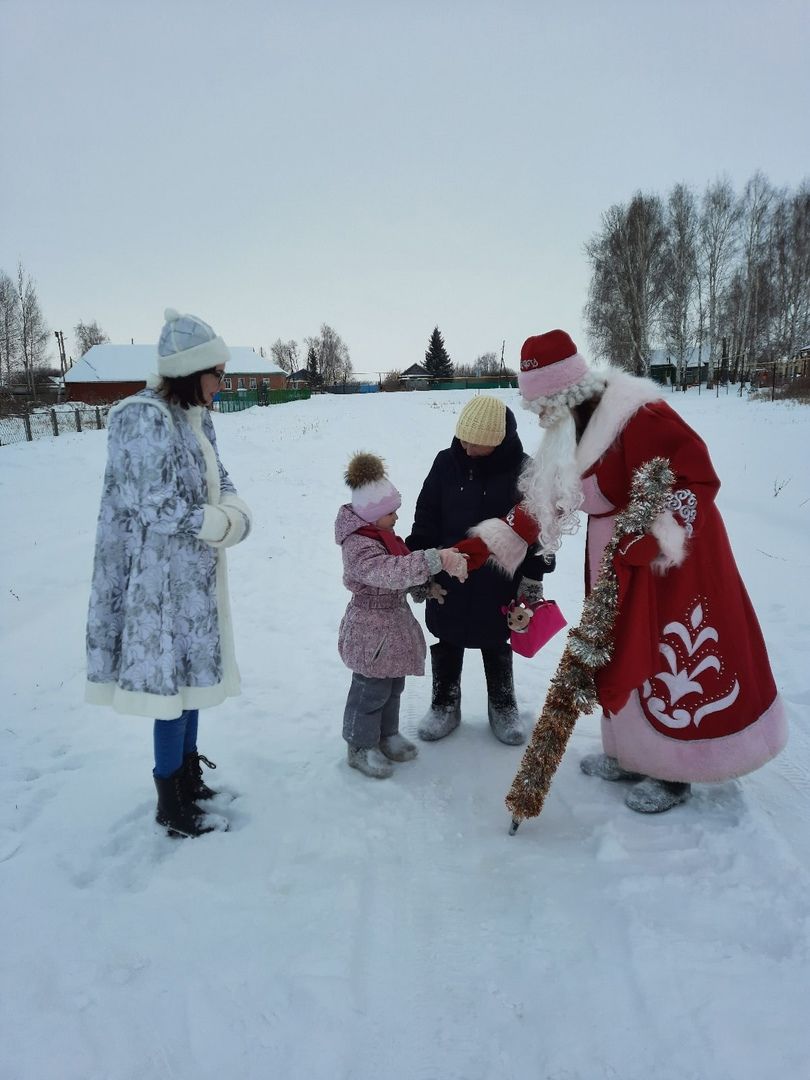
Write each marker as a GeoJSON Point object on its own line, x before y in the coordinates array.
{"type": "Point", "coordinates": [415, 375]}
{"type": "Point", "coordinates": [664, 366]}
{"type": "Point", "coordinates": [111, 372]}
{"type": "Point", "coordinates": [299, 380]}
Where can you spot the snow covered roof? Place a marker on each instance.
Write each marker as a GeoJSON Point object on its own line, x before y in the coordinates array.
{"type": "Point", "coordinates": [133, 363]}
{"type": "Point", "coordinates": [663, 356]}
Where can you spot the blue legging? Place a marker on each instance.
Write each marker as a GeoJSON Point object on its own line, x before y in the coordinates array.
{"type": "Point", "coordinates": [173, 740]}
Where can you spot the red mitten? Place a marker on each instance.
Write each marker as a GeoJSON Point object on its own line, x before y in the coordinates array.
{"type": "Point", "coordinates": [523, 524]}
{"type": "Point", "coordinates": [476, 551]}
{"type": "Point", "coordinates": [637, 549]}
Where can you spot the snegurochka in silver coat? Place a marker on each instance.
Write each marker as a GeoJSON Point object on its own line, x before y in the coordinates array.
{"type": "Point", "coordinates": [159, 630]}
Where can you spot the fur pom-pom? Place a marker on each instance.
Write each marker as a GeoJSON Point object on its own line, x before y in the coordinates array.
{"type": "Point", "coordinates": [364, 469]}
{"type": "Point", "coordinates": [171, 314]}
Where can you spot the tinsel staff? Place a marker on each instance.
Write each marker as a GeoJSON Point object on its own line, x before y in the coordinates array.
{"type": "Point", "coordinates": [588, 648]}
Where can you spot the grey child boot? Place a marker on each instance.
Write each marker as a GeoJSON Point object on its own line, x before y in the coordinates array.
{"type": "Point", "coordinates": [370, 762]}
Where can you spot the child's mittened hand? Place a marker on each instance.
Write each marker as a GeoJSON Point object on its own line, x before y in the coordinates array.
{"type": "Point", "coordinates": [436, 592]}
{"type": "Point", "coordinates": [453, 563]}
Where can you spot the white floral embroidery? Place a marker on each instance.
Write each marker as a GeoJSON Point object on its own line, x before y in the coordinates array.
{"type": "Point", "coordinates": [679, 681]}
{"type": "Point", "coordinates": [684, 503]}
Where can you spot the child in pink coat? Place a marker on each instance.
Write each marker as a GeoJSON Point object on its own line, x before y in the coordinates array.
{"type": "Point", "coordinates": [379, 639]}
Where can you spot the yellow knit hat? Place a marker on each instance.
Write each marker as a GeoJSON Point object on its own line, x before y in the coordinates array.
{"type": "Point", "coordinates": [482, 421]}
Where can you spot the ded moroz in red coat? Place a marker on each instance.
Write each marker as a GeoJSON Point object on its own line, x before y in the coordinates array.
{"type": "Point", "coordinates": [689, 694]}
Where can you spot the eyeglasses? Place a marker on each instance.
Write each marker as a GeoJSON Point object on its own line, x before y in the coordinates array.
{"type": "Point", "coordinates": [215, 371]}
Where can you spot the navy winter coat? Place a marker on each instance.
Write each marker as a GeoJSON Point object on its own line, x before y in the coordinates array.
{"type": "Point", "coordinates": [458, 492]}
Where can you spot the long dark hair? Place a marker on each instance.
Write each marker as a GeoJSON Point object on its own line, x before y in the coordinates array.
{"type": "Point", "coordinates": [184, 391]}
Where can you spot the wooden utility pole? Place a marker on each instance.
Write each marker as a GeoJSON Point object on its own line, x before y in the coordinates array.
{"type": "Point", "coordinates": [60, 341]}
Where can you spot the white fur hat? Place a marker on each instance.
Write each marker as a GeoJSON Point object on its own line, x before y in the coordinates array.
{"type": "Point", "coordinates": [187, 344]}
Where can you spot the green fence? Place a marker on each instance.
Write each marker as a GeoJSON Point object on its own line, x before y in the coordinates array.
{"type": "Point", "coordinates": [503, 382]}
{"type": "Point", "coordinates": [237, 400]}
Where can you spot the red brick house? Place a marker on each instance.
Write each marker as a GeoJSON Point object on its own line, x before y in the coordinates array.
{"type": "Point", "coordinates": [111, 372]}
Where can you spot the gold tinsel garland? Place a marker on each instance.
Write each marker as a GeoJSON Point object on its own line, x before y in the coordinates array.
{"type": "Point", "coordinates": [589, 647]}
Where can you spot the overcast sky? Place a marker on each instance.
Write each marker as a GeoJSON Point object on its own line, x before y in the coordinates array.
{"type": "Point", "coordinates": [380, 166]}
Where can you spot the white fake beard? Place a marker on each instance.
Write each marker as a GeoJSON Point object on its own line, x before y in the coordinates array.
{"type": "Point", "coordinates": [550, 484]}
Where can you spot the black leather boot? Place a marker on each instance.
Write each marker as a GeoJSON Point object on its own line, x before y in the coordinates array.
{"type": "Point", "coordinates": [446, 661]}
{"type": "Point", "coordinates": [175, 811]}
{"type": "Point", "coordinates": [504, 718]}
{"type": "Point", "coordinates": [196, 788]}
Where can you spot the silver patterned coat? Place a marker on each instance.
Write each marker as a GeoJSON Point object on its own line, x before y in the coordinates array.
{"type": "Point", "coordinates": [159, 633]}
{"type": "Point", "coordinates": [379, 636]}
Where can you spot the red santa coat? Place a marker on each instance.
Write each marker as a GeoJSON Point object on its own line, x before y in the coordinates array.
{"type": "Point", "coordinates": [689, 694]}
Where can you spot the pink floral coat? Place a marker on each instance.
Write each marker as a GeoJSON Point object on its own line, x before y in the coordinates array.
{"type": "Point", "coordinates": [379, 636]}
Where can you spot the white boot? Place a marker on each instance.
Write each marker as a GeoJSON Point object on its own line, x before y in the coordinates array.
{"type": "Point", "coordinates": [397, 748]}
{"type": "Point", "coordinates": [606, 768]}
{"type": "Point", "coordinates": [370, 762]}
{"type": "Point", "coordinates": [653, 796]}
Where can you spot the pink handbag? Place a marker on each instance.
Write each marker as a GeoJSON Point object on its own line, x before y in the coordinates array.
{"type": "Point", "coordinates": [532, 625]}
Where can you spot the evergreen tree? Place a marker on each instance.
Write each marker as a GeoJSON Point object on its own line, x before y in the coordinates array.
{"type": "Point", "coordinates": [437, 362]}
{"type": "Point", "coordinates": [314, 376]}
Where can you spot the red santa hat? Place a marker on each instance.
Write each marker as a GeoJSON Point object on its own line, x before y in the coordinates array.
{"type": "Point", "coordinates": [549, 365]}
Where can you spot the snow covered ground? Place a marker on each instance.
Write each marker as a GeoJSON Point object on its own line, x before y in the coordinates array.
{"type": "Point", "coordinates": [346, 929]}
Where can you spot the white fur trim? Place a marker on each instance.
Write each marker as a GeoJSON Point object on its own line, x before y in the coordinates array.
{"type": "Point", "coordinates": [188, 361]}
{"type": "Point", "coordinates": [215, 525]}
{"type": "Point", "coordinates": [624, 395]}
{"type": "Point", "coordinates": [672, 540]}
{"type": "Point", "coordinates": [230, 498]}
{"type": "Point", "coordinates": [240, 517]}
{"type": "Point", "coordinates": [136, 399]}
{"type": "Point", "coordinates": [195, 415]}
{"type": "Point", "coordinates": [507, 550]}
{"type": "Point", "coordinates": [158, 706]}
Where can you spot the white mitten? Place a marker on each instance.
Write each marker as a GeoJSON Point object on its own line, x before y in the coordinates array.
{"type": "Point", "coordinates": [453, 563]}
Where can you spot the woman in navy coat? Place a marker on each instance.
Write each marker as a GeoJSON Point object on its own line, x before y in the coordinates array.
{"type": "Point", "coordinates": [475, 478]}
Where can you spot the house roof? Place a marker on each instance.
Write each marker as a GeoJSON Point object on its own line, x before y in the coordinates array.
{"type": "Point", "coordinates": [299, 375]}
{"type": "Point", "coordinates": [133, 363]}
{"type": "Point", "coordinates": [416, 370]}
{"type": "Point", "coordinates": [659, 357]}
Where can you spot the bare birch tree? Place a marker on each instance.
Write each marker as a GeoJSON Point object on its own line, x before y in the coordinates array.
{"type": "Point", "coordinates": [34, 336]}
{"type": "Point", "coordinates": [334, 364]}
{"type": "Point", "coordinates": [628, 283]}
{"type": "Point", "coordinates": [88, 335]}
{"type": "Point", "coordinates": [9, 329]}
{"type": "Point", "coordinates": [716, 248]}
{"type": "Point", "coordinates": [285, 354]}
{"type": "Point", "coordinates": [679, 314]}
{"type": "Point", "coordinates": [789, 264]}
{"type": "Point", "coordinates": [754, 210]}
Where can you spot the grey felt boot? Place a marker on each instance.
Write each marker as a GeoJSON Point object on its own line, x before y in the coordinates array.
{"type": "Point", "coordinates": [502, 710]}
{"type": "Point", "coordinates": [653, 796]}
{"type": "Point", "coordinates": [397, 748]}
{"type": "Point", "coordinates": [606, 768]}
{"type": "Point", "coordinates": [444, 715]}
{"type": "Point", "coordinates": [370, 762]}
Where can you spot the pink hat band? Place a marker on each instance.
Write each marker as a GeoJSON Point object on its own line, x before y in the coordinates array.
{"type": "Point", "coordinates": [376, 500]}
{"type": "Point", "coordinates": [545, 380]}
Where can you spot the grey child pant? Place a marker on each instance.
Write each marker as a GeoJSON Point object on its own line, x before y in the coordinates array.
{"type": "Point", "coordinates": [372, 710]}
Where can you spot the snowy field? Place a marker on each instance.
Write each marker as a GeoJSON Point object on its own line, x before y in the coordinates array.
{"type": "Point", "coordinates": [346, 929]}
